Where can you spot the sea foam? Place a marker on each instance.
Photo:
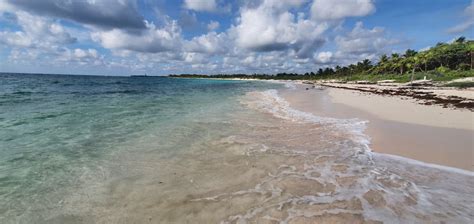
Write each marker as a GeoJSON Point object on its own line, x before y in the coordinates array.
{"type": "Point", "coordinates": [271, 102]}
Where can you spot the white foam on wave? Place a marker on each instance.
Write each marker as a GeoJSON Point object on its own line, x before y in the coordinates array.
{"type": "Point", "coordinates": [425, 164]}
{"type": "Point", "coordinates": [286, 83]}
{"type": "Point", "coordinates": [269, 101]}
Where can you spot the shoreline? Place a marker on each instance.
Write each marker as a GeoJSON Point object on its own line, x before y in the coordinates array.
{"type": "Point", "coordinates": [430, 134]}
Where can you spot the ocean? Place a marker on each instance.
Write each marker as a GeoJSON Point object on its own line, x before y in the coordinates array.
{"type": "Point", "coordinates": [95, 149]}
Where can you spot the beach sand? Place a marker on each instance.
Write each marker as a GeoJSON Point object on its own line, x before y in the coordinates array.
{"type": "Point", "coordinates": [397, 126]}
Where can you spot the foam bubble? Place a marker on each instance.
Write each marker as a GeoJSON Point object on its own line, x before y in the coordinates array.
{"type": "Point", "coordinates": [269, 101]}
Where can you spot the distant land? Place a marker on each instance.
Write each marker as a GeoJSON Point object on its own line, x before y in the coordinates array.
{"type": "Point", "coordinates": [443, 62]}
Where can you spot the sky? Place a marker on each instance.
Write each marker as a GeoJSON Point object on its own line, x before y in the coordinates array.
{"type": "Point", "coordinates": [160, 37]}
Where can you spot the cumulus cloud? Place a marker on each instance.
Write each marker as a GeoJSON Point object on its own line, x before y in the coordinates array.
{"type": "Point", "coordinates": [151, 40]}
{"type": "Point", "coordinates": [42, 41]}
{"type": "Point", "coordinates": [210, 43]}
{"type": "Point", "coordinates": [80, 56]}
{"type": "Point", "coordinates": [358, 44]}
{"type": "Point", "coordinates": [340, 9]}
{"type": "Point", "coordinates": [80, 53]}
{"type": "Point", "coordinates": [195, 58]}
{"type": "Point", "coordinates": [324, 57]}
{"type": "Point", "coordinates": [272, 27]}
{"type": "Point", "coordinates": [213, 25]}
{"type": "Point", "coordinates": [468, 23]}
{"type": "Point", "coordinates": [5, 6]}
{"type": "Point", "coordinates": [364, 41]}
{"type": "Point", "coordinates": [17, 39]}
{"type": "Point", "coordinates": [36, 32]}
{"type": "Point", "coordinates": [267, 35]}
{"type": "Point", "coordinates": [102, 13]}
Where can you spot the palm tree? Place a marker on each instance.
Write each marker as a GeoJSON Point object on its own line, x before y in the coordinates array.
{"type": "Point", "coordinates": [412, 64]}
{"type": "Point", "coordinates": [382, 63]}
{"type": "Point", "coordinates": [401, 64]}
{"type": "Point", "coordinates": [460, 40]}
{"type": "Point", "coordinates": [366, 63]}
{"type": "Point", "coordinates": [395, 61]}
{"type": "Point", "coordinates": [410, 53]}
{"type": "Point", "coordinates": [470, 47]}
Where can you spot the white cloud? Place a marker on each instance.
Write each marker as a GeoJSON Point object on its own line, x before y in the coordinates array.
{"type": "Point", "coordinates": [80, 56]}
{"type": "Point", "coordinates": [468, 23]}
{"type": "Point", "coordinates": [36, 32]}
{"type": "Point", "coordinates": [80, 53]}
{"type": "Point", "coordinates": [461, 27]}
{"type": "Point", "coordinates": [324, 57]}
{"type": "Point", "coordinates": [272, 27]}
{"type": "Point", "coordinates": [340, 9]}
{"type": "Point", "coordinates": [211, 43]}
{"type": "Point", "coordinates": [16, 39]}
{"type": "Point", "coordinates": [43, 41]}
{"type": "Point", "coordinates": [267, 36]}
{"type": "Point", "coordinates": [363, 41]}
{"type": "Point", "coordinates": [195, 58]}
{"type": "Point", "coordinates": [213, 25]}
{"type": "Point", "coordinates": [5, 6]}
{"type": "Point", "coordinates": [470, 9]}
{"type": "Point", "coordinates": [151, 40]}
{"type": "Point", "coordinates": [201, 5]}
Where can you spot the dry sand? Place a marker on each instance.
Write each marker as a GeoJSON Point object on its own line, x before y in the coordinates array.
{"type": "Point", "coordinates": [398, 126]}
{"type": "Point", "coordinates": [404, 109]}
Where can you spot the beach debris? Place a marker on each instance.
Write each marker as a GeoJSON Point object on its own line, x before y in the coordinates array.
{"type": "Point", "coordinates": [333, 81]}
{"type": "Point", "coordinates": [365, 82]}
{"type": "Point", "coordinates": [386, 81]}
{"type": "Point", "coordinates": [426, 95]}
{"type": "Point", "coordinates": [420, 83]}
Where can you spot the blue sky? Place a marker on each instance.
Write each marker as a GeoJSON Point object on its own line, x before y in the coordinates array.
{"type": "Point", "coordinates": [159, 37]}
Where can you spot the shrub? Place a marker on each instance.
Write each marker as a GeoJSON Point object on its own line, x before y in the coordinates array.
{"type": "Point", "coordinates": [464, 66]}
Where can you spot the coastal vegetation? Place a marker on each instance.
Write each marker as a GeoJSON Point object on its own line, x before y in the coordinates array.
{"type": "Point", "coordinates": [442, 62]}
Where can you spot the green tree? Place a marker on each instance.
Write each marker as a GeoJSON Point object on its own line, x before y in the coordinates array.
{"type": "Point", "coordinates": [470, 48]}
{"type": "Point", "coordinates": [410, 53]}
{"type": "Point", "coordinates": [394, 62]}
{"type": "Point", "coordinates": [460, 40]}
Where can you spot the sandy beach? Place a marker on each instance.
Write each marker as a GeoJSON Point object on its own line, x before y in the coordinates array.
{"type": "Point", "coordinates": [397, 125]}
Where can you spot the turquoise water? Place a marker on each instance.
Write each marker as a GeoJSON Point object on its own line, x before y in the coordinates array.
{"type": "Point", "coordinates": [88, 149]}
{"type": "Point", "coordinates": [55, 128]}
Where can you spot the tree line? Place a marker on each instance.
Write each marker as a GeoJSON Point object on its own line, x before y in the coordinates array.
{"type": "Point", "coordinates": [451, 59]}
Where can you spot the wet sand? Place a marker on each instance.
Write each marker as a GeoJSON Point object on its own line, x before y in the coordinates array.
{"type": "Point", "coordinates": [401, 127]}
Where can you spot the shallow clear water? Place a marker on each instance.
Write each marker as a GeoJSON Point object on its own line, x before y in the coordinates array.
{"type": "Point", "coordinates": [84, 149]}
{"type": "Point", "coordinates": [53, 129]}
